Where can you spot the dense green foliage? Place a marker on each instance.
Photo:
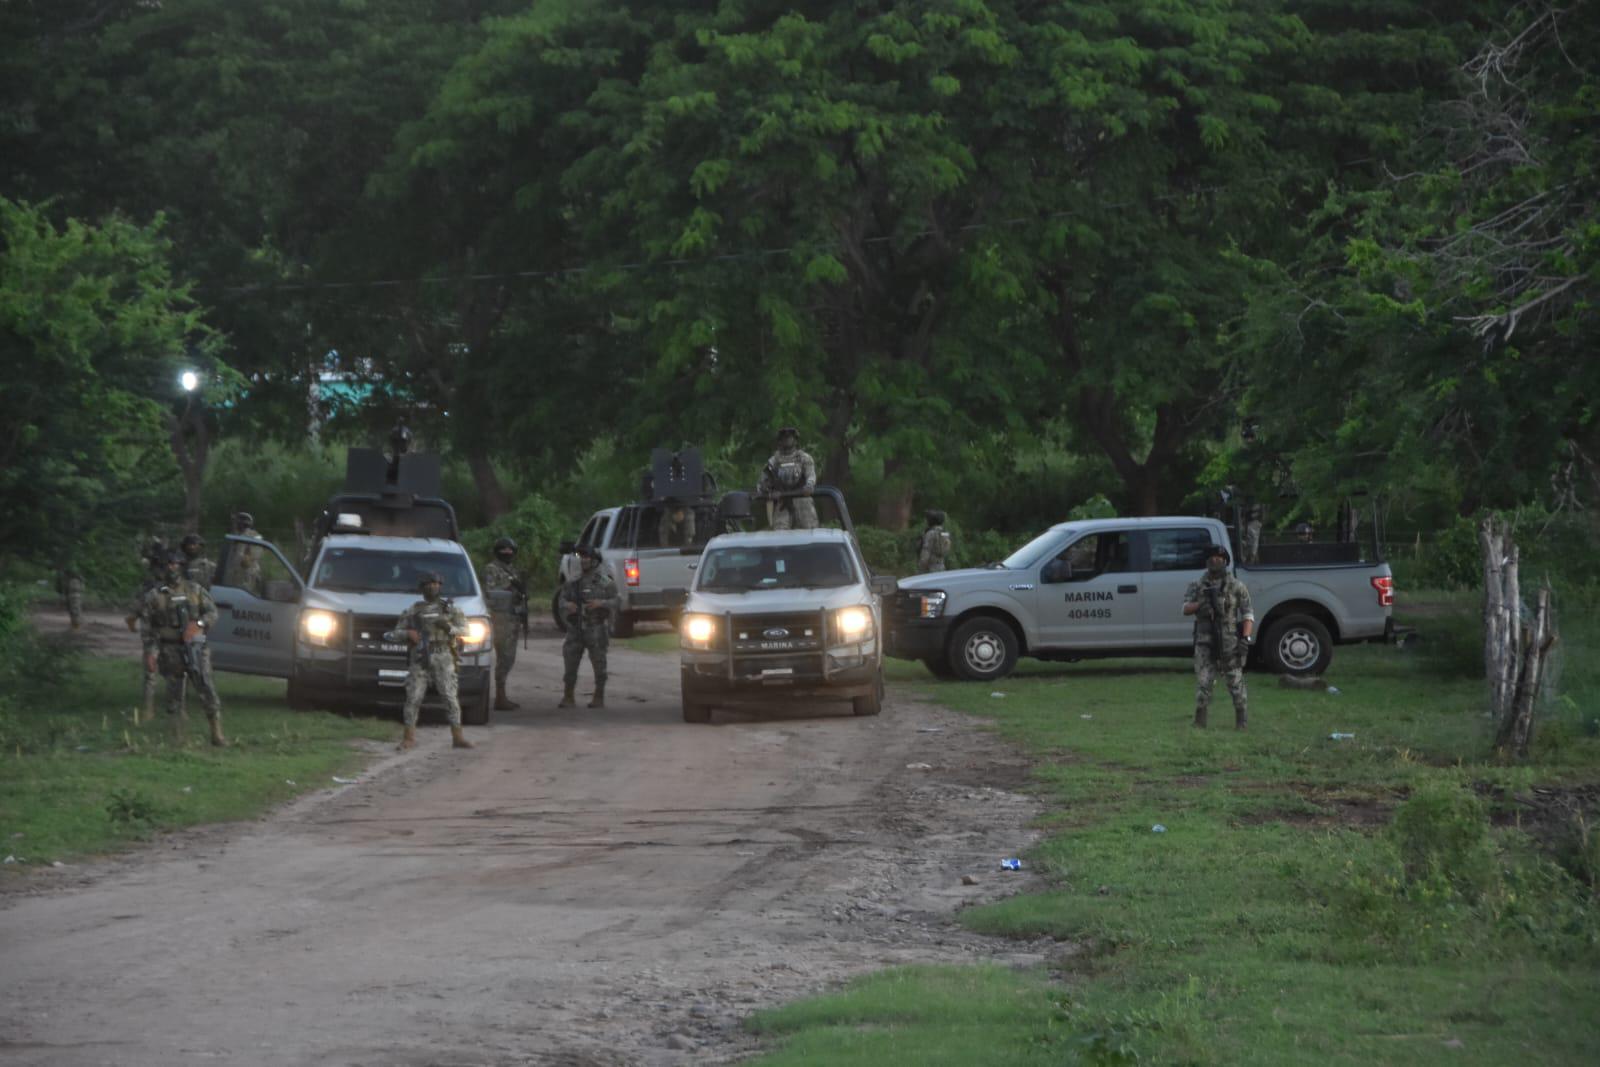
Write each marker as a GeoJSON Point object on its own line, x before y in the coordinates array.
{"type": "Point", "coordinates": [968, 245]}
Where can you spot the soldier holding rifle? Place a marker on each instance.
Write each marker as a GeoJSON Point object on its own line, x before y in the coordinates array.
{"type": "Point", "coordinates": [176, 617]}
{"type": "Point", "coordinates": [586, 604]}
{"type": "Point", "coordinates": [1224, 628]}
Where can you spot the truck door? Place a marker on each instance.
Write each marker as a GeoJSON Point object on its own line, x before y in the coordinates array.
{"type": "Point", "coordinates": [1089, 594]}
{"type": "Point", "coordinates": [258, 598]}
{"type": "Point", "coordinates": [1177, 557]}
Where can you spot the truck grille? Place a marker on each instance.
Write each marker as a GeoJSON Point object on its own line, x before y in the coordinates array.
{"type": "Point", "coordinates": [368, 637]}
{"type": "Point", "coordinates": [759, 634]}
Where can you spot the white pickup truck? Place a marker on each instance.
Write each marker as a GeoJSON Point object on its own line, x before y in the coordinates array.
{"type": "Point", "coordinates": [782, 614]}
{"type": "Point", "coordinates": [323, 631]}
{"type": "Point", "coordinates": [652, 578]}
{"type": "Point", "coordinates": [1114, 587]}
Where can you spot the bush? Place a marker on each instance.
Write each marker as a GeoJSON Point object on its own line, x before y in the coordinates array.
{"type": "Point", "coordinates": [1442, 834]}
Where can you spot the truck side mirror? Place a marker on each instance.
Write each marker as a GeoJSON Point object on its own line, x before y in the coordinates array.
{"type": "Point", "coordinates": [567, 548]}
{"type": "Point", "coordinates": [884, 585]}
{"type": "Point", "coordinates": [1057, 570]}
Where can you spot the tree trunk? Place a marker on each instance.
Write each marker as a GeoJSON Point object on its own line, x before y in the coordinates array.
{"type": "Point", "coordinates": [1500, 614]}
{"type": "Point", "coordinates": [492, 496]}
{"type": "Point", "coordinates": [1516, 728]}
{"type": "Point", "coordinates": [894, 497]}
{"type": "Point", "coordinates": [191, 447]}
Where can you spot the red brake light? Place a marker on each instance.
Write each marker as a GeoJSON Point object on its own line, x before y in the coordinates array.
{"type": "Point", "coordinates": [1385, 587]}
{"type": "Point", "coordinates": [630, 571]}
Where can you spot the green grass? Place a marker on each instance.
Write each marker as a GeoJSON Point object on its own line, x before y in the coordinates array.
{"type": "Point", "coordinates": [77, 777]}
{"type": "Point", "coordinates": [1283, 916]}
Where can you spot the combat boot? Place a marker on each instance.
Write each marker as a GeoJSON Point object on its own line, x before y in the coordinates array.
{"type": "Point", "coordinates": [599, 700]}
{"type": "Point", "coordinates": [1200, 718]}
{"type": "Point", "coordinates": [459, 739]}
{"type": "Point", "coordinates": [408, 740]}
{"type": "Point", "coordinates": [217, 740]}
{"type": "Point", "coordinates": [569, 698]}
{"type": "Point", "coordinates": [501, 701]}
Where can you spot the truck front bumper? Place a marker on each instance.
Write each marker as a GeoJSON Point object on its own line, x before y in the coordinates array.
{"type": "Point", "coordinates": [850, 671]}
{"type": "Point", "coordinates": [916, 638]}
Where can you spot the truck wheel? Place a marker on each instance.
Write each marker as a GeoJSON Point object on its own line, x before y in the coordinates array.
{"type": "Point", "coordinates": [983, 649]}
{"type": "Point", "coordinates": [299, 699]}
{"type": "Point", "coordinates": [939, 667]}
{"type": "Point", "coordinates": [622, 625]}
{"type": "Point", "coordinates": [694, 709]}
{"type": "Point", "coordinates": [1297, 644]}
{"type": "Point", "coordinates": [872, 703]}
{"type": "Point", "coordinates": [555, 612]}
{"type": "Point", "coordinates": [477, 714]}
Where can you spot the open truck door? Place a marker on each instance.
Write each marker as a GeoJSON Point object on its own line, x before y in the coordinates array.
{"type": "Point", "coordinates": [258, 597]}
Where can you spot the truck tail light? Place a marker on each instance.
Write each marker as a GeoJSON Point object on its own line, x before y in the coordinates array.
{"type": "Point", "coordinates": [630, 571]}
{"type": "Point", "coordinates": [1385, 587]}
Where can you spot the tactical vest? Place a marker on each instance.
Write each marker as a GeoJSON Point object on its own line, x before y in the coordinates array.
{"type": "Point", "coordinates": [789, 473]}
{"type": "Point", "coordinates": [175, 609]}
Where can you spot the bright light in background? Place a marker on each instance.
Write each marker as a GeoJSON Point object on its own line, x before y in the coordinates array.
{"type": "Point", "coordinates": [189, 380]}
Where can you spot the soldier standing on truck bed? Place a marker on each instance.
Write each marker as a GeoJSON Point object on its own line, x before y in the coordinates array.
{"type": "Point", "coordinates": [587, 603]}
{"type": "Point", "coordinates": [431, 627]}
{"type": "Point", "coordinates": [790, 470]}
{"type": "Point", "coordinates": [507, 592]}
{"type": "Point", "coordinates": [1224, 627]}
{"type": "Point", "coordinates": [177, 615]}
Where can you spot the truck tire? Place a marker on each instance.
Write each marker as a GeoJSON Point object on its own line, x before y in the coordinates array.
{"type": "Point", "coordinates": [477, 713]}
{"type": "Point", "coordinates": [555, 612]}
{"type": "Point", "coordinates": [622, 624]}
{"type": "Point", "coordinates": [298, 698]}
{"type": "Point", "coordinates": [1297, 644]}
{"type": "Point", "coordinates": [982, 649]}
{"type": "Point", "coordinates": [694, 709]}
{"type": "Point", "coordinates": [939, 667]}
{"type": "Point", "coordinates": [872, 703]}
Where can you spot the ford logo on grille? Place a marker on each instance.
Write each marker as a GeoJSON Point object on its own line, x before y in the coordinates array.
{"type": "Point", "coordinates": [777, 633]}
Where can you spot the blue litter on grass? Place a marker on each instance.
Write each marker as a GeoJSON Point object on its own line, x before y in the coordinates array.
{"type": "Point", "coordinates": [1158, 829]}
{"type": "Point", "coordinates": [1011, 865]}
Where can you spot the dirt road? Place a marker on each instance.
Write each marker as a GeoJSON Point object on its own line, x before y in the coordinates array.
{"type": "Point", "coordinates": [586, 887]}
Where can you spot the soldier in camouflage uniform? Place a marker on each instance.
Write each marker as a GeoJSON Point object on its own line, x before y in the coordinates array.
{"type": "Point", "coordinates": [790, 470]}
{"type": "Point", "coordinates": [676, 527]}
{"type": "Point", "coordinates": [153, 555]}
{"type": "Point", "coordinates": [432, 627]}
{"type": "Point", "coordinates": [244, 567]}
{"type": "Point", "coordinates": [507, 593]}
{"type": "Point", "coordinates": [72, 593]}
{"type": "Point", "coordinates": [934, 545]}
{"type": "Point", "coordinates": [196, 567]}
{"type": "Point", "coordinates": [587, 603]}
{"type": "Point", "coordinates": [177, 615]}
{"type": "Point", "coordinates": [1224, 627]}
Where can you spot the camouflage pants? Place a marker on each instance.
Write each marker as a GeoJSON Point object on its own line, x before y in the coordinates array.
{"type": "Point", "coordinates": [796, 513]}
{"type": "Point", "coordinates": [505, 647]}
{"type": "Point", "coordinates": [75, 608]}
{"type": "Point", "coordinates": [1231, 667]}
{"type": "Point", "coordinates": [438, 668]}
{"type": "Point", "coordinates": [169, 661]}
{"type": "Point", "coordinates": [593, 637]}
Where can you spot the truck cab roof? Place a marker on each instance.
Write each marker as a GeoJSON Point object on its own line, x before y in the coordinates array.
{"type": "Point", "coordinates": [767, 537]}
{"type": "Point", "coordinates": [384, 543]}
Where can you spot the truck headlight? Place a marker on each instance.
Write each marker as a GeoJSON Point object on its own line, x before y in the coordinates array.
{"type": "Point", "coordinates": [930, 605]}
{"type": "Point", "coordinates": [698, 630]}
{"type": "Point", "coordinates": [478, 633]}
{"type": "Point", "coordinates": [854, 624]}
{"type": "Point", "coordinates": [318, 626]}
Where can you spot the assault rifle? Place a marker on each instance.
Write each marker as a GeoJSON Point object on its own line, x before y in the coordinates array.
{"type": "Point", "coordinates": [519, 609]}
{"type": "Point", "coordinates": [193, 651]}
{"type": "Point", "coordinates": [1213, 594]}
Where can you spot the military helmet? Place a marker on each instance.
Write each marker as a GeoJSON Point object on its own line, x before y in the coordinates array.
{"type": "Point", "coordinates": [192, 539]}
{"type": "Point", "coordinates": [788, 431]}
{"type": "Point", "coordinates": [1303, 529]}
{"type": "Point", "coordinates": [243, 518]}
{"type": "Point", "coordinates": [505, 542]}
{"type": "Point", "coordinates": [935, 517]}
{"type": "Point", "coordinates": [429, 576]}
{"type": "Point", "coordinates": [175, 556]}
{"type": "Point", "coordinates": [588, 552]}
{"type": "Point", "coordinates": [1218, 550]}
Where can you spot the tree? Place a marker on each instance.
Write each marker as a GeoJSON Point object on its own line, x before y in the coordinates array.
{"type": "Point", "coordinates": [94, 334]}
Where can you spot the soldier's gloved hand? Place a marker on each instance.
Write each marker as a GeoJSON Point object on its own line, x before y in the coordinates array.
{"type": "Point", "coordinates": [191, 632]}
{"type": "Point", "coordinates": [413, 637]}
{"type": "Point", "coordinates": [150, 662]}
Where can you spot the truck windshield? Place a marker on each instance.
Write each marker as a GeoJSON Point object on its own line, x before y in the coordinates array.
{"type": "Point", "coordinates": [1035, 550]}
{"type": "Point", "coordinates": [371, 570]}
{"type": "Point", "coordinates": [749, 567]}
